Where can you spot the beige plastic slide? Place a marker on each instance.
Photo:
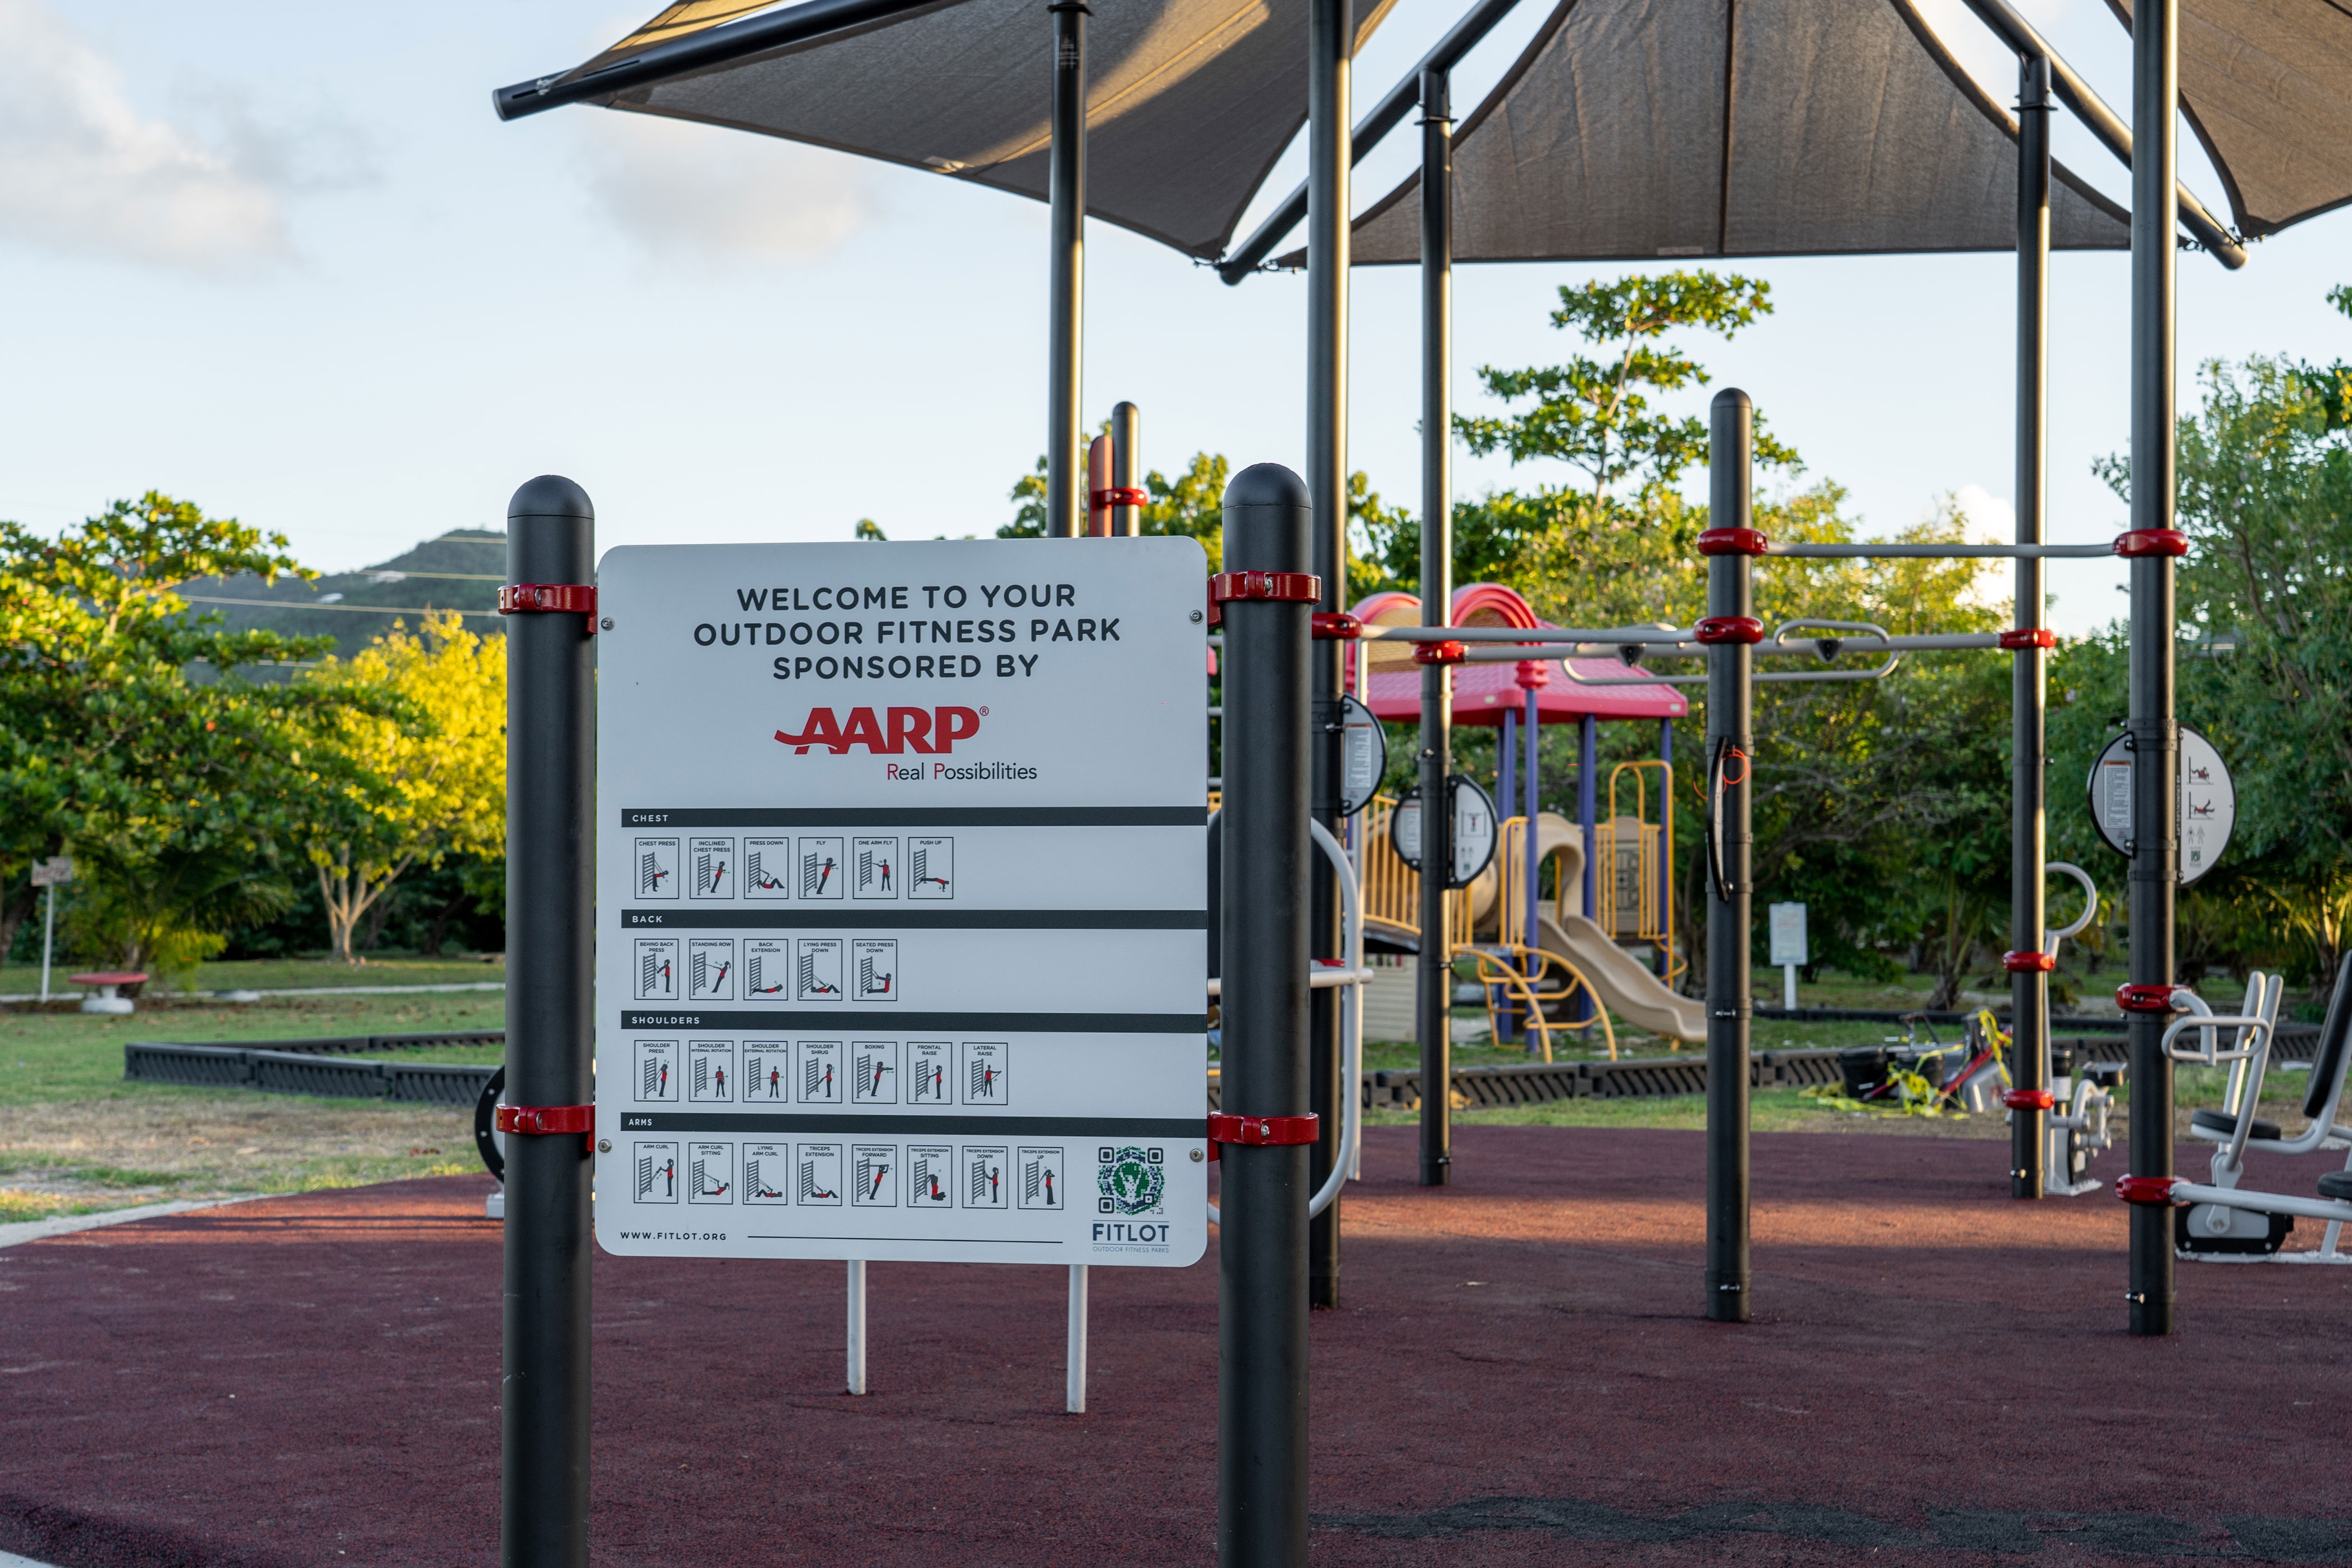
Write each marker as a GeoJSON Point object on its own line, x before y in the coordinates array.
{"type": "Point", "coordinates": [1626, 988]}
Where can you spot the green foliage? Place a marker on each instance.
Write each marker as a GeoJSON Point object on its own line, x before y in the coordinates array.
{"type": "Point", "coordinates": [1593, 412]}
{"type": "Point", "coordinates": [128, 732]}
{"type": "Point", "coordinates": [868, 529]}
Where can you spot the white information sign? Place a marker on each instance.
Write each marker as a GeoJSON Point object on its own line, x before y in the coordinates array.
{"type": "Point", "coordinates": [2208, 802]}
{"type": "Point", "coordinates": [1363, 756]}
{"type": "Point", "coordinates": [901, 890]}
{"type": "Point", "coordinates": [1788, 928]}
{"type": "Point", "coordinates": [53, 872]}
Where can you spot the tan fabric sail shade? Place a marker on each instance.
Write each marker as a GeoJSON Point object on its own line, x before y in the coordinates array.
{"type": "Point", "coordinates": [2267, 87]}
{"type": "Point", "coordinates": [1189, 102]}
{"type": "Point", "coordinates": [1631, 129]}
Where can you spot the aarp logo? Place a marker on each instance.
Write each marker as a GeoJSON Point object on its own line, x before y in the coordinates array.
{"type": "Point", "coordinates": [926, 731]}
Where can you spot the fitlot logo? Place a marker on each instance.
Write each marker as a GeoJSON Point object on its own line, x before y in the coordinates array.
{"type": "Point", "coordinates": [926, 731]}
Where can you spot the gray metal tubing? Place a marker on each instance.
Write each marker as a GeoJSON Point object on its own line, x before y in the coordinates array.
{"type": "Point", "coordinates": [1331, 37]}
{"type": "Point", "coordinates": [551, 770]}
{"type": "Point", "coordinates": [1385, 117]}
{"type": "Point", "coordinates": [1262, 1239]}
{"type": "Point", "coordinates": [1730, 727]}
{"type": "Point", "coordinates": [1532, 636]}
{"type": "Point", "coordinates": [700, 51]}
{"type": "Point", "coordinates": [1126, 464]}
{"type": "Point", "coordinates": [1434, 977]}
{"type": "Point", "coordinates": [2101, 121]}
{"type": "Point", "coordinates": [1940, 552]}
{"type": "Point", "coordinates": [2029, 991]}
{"type": "Point", "coordinates": [2155, 848]}
{"type": "Point", "coordinates": [1065, 485]}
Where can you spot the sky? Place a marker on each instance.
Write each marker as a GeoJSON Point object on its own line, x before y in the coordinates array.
{"type": "Point", "coordinates": [284, 260]}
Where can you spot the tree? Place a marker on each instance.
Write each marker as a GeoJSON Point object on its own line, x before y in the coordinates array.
{"type": "Point", "coordinates": [111, 748]}
{"type": "Point", "coordinates": [868, 529]}
{"type": "Point", "coordinates": [1592, 412]}
{"type": "Point", "coordinates": [425, 773]}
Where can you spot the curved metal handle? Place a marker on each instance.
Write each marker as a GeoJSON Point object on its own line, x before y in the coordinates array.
{"type": "Point", "coordinates": [2090, 905]}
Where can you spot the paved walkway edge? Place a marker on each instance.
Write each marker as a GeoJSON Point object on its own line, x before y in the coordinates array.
{"type": "Point", "coordinates": [66, 1224]}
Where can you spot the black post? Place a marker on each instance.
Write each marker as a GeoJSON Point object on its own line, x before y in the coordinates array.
{"type": "Point", "coordinates": [2029, 988]}
{"type": "Point", "coordinates": [1730, 748]}
{"type": "Point", "coordinates": [2155, 828]}
{"type": "Point", "coordinates": [1261, 1244]}
{"type": "Point", "coordinates": [1126, 464]}
{"type": "Point", "coordinates": [551, 845]}
{"type": "Point", "coordinates": [1065, 499]}
{"type": "Point", "coordinates": [1330, 35]}
{"type": "Point", "coordinates": [1434, 994]}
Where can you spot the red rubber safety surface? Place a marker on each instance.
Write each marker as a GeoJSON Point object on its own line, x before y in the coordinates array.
{"type": "Point", "coordinates": [1935, 1374]}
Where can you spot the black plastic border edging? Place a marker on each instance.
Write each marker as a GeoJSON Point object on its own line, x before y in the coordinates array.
{"type": "Point", "coordinates": [274, 1071]}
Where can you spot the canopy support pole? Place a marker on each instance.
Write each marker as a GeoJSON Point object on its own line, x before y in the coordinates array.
{"type": "Point", "coordinates": [1434, 987]}
{"type": "Point", "coordinates": [2156, 827]}
{"type": "Point", "coordinates": [1730, 750]}
{"type": "Point", "coordinates": [1331, 38]}
{"type": "Point", "coordinates": [2028, 990]}
{"type": "Point", "coordinates": [1065, 499]}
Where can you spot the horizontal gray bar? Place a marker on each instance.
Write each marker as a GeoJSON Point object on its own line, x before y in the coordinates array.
{"type": "Point", "coordinates": [856, 917]}
{"type": "Point", "coordinates": [886, 1019]}
{"type": "Point", "coordinates": [910, 1126]}
{"type": "Point", "coordinates": [922, 817]}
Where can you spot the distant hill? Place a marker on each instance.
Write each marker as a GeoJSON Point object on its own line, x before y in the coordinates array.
{"type": "Point", "coordinates": [459, 571]}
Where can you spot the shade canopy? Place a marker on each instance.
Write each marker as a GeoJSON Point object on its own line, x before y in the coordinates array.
{"type": "Point", "coordinates": [1189, 102]}
{"type": "Point", "coordinates": [1631, 129]}
{"type": "Point", "coordinates": [2267, 87]}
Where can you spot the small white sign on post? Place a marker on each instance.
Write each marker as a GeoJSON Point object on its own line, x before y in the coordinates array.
{"type": "Point", "coordinates": [901, 902]}
{"type": "Point", "coordinates": [1790, 949]}
{"type": "Point", "coordinates": [1474, 830]}
{"type": "Point", "coordinates": [53, 872]}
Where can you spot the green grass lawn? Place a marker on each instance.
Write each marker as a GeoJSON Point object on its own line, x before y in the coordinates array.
{"type": "Point", "coordinates": [75, 1137]}
{"type": "Point", "coordinates": [287, 974]}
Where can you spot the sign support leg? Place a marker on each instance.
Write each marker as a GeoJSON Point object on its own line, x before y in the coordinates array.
{"type": "Point", "coordinates": [48, 936]}
{"type": "Point", "coordinates": [1433, 962]}
{"type": "Point", "coordinates": [855, 1341]}
{"type": "Point", "coordinates": [1730, 696]}
{"type": "Point", "coordinates": [2155, 478]}
{"type": "Point", "coordinates": [1076, 1355]}
{"type": "Point", "coordinates": [1261, 1244]}
{"type": "Point", "coordinates": [550, 777]}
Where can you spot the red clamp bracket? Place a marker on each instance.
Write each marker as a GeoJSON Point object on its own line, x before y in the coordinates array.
{"type": "Point", "coordinates": [2152, 542]}
{"type": "Point", "coordinates": [2144, 998]}
{"type": "Point", "coordinates": [2029, 1099]}
{"type": "Point", "coordinates": [1730, 628]}
{"type": "Point", "coordinates": [2028, 636]}
{"type": "Point", "coordinates": [1334, 626]}
{"type": "Point", "coordinates": [1532, 673]}
{"type": "Point", "coordinates": [2029, 962]}
{"type": "Point", "coordinates": [547, 1120]}
{"type": "Point", "coordinates": [1439, 653]}
{"type": "Point", "coordinates": [1733, 542]}
{"type": "Point", "coordinates": [1119, 495]}
{"type": "Point", "coordinates": [552, 598]}
{"type": "Point", "coordinates": [1264, 1130]}
{"type": "Point", "coordinates": [1277, 587]}
{"type": "Point", "coordinates": [2154, 1190]}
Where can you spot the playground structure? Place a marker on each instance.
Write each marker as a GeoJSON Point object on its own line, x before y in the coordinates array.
{"type": "Point", "coordinates": [1560, 967]}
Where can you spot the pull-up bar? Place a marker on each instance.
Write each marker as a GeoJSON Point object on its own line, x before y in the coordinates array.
{"type": "Point", "coordinates": [2131, 545]}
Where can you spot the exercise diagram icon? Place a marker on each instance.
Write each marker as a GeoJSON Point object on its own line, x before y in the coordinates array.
{"type": "Point", "coordinates": [817, 964]}
{"type": "Point", "coordinates": [767, 1173]}
{"type": "Point", "coordinates": [931, 867]}
{"type": "Point", "coordinates": [767, 1068]}
{"type": "Point", "coordinates": [657, 971]}
{"type": "Point", "coordinates": [710, 969]}
{"type": "Point", "coordinates": [767, 868]}
{"type": "Point", "coordinates": [656, 1166]}
{"type": "Point", "coordinates": [931, 1176]}
{"type": "Point", "coordinates": [877, 970]}
{"type": "Point", "coordinates": [821, 869]}
{"type": "Point", "coordinates": [714, 868]}
{"type": "Point", "coordinates": [875, 864]}
{"type": "Point", "coordinates": [656, 868]}
{"type": "Point", "coordinates": [983, 1175]}
{"type": "Point", "coordinates": [766, 965]}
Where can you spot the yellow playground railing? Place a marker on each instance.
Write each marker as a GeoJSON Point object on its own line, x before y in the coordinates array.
{"type": "Point", "coordinates": [1635, 889]}
{"type": "Point", "coordinates": [1392, 888]}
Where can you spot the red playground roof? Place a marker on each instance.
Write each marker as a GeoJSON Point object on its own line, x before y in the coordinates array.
{"type": "Point", "coordinates": [1483, 692]}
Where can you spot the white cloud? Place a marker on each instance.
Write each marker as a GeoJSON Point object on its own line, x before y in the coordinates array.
{"type": "Point", "coordinates": [716, 194]}
{"type": "Point", "coordinates": [82, 171]}
{"type": "Point", "coordinates": [1990, 518]}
